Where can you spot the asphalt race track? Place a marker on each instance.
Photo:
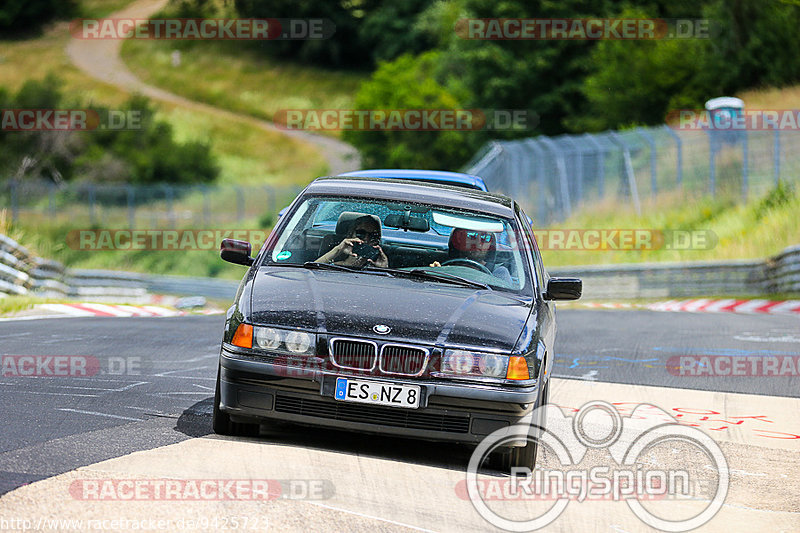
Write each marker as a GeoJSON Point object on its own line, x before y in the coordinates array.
{"type": "Point", "coordinates": [151, 390]}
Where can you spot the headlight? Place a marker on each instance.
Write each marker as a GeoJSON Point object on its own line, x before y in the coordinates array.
{"type": "Point", "coordinates": [462, 363]}
{"type": "Point", "coordinates": [284, 340]}
{"type": "Point", "coordinates": [458, 362]}
{"type": "Point", "coordinates": [298, 341]}
{"type": "Point", "coordinates": [493, 365]}
{"type": "Point", "coordinates": [268, 338]}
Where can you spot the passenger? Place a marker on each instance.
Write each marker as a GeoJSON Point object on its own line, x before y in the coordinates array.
{"type": "Point", "coordinates": [477, 246]}
{"type": "Point", "coordinates": [364, 230]}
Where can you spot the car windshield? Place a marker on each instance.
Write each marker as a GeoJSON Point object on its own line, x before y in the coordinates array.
{"type": "Point", "coordinates": [446, 242]}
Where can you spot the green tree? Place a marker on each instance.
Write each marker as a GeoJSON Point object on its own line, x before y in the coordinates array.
{"type": "Point", "coordinates": [410, 83]}
{"type": "Point", "coordinates": [19, 16]}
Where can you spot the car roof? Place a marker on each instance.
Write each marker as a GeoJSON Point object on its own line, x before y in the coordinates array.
{"type": "Point", "coordinates": [432, 176]}
{"type": "Point", "coordinates": [413, 191]}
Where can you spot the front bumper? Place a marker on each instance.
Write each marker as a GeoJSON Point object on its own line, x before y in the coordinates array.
{"type": "Point", "coordinates": [254, 390]}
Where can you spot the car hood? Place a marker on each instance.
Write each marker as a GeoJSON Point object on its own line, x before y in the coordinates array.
{"type": "Point", "coordinates": [351, 304]}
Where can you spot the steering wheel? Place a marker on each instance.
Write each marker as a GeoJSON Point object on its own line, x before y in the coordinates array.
{"type": "Point", "coordinates": [463, 261]}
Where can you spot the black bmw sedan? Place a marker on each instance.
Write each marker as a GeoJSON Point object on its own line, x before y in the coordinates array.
{"type": "Point", "coordinates": [385, 306]}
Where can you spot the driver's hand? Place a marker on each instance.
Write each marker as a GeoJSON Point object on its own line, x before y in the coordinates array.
{"type": "Point", "coordinates": [435, 264]}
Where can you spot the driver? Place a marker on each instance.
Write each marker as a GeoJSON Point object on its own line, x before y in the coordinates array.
{"type": "Point", "coordinates": [476, 246]}
{"type": "Point", "coordinates": [363, 230]}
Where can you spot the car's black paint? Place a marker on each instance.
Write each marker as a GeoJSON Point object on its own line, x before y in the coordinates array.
{"type": "Point", "coordinates": [257, 387]}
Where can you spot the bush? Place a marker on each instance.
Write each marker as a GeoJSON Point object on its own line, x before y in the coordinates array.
{"type": "Point", "coordinates": [149, 154]}
{"type": "Point", "coordinates": [21, 16]}
{"type": "Point", "coordinates": [410, 83]}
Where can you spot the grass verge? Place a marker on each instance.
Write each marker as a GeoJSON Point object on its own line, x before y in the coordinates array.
{"type": "Point", "coordinates": [232, 77]}
{"type": "Point", "coordinates": [755, 230]}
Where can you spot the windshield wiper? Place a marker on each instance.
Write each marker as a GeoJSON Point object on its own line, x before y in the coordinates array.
{"type": "Point", "coordinates": [329, 266]}
{"type": "Point", "coordinates": [437, 276]}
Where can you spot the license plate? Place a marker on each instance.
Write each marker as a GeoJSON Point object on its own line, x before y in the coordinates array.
{"type": "Point", "coordinates": [377, 393]}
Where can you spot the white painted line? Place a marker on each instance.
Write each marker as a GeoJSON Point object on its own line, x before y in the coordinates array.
{"type": "Point", "coordinates": [99, 414]}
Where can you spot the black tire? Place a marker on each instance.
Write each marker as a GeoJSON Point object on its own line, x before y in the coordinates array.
{"type": "Point", "coordinates": [222, 424]}
{"type": "Point", "coordinates": [525, 456]}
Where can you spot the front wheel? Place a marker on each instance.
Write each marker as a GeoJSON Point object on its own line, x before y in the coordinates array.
{"type": "Point", "coordinates": [222, 424]}
{"type": "Point", "coordinates": [524, 456]}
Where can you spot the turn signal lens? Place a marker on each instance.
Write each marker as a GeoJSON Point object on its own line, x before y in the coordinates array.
{"type": "Point", "coordinates": [517, 368]}
{"type": "Point", "coordinates": [243, 338]}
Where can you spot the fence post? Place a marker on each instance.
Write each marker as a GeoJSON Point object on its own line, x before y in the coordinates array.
{"type": "Point", "coordinates": [776, 154]}
{"type": "Point", "coordinates": [541, 217]}
{"type": "Point", "coordinates": [712, 165]}
{"type": "Point", "coordinates": [169, 194]}
{"type": "Point", "coordinates": [601, 163]}
{"type": "Point", "coordinates": [653, 160]}
{"type": "Point", "coordinates": [239, 204]}
{"type": "Point", "coordinates": [679, 162]}
{"type": "Point", "coordinates": [131, 207]}
{"type": "Point", "coordinates": [561, 167]}
{"type": "Point", "coordinates": [518, 168]}
{"type": "Point", "coordinates": [628, 166]}
{"type": "Point", "coordinates": [578, 165]}
{"type": "Point", "coordinates": [91, 204]}
{"type": "Point", "coordinates": [745, 163]}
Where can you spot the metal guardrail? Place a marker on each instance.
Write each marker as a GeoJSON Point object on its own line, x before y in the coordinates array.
{"type": "Point", "coordinates": [23, 273]}
{"type": "Point", "coordinates": [779, 274]}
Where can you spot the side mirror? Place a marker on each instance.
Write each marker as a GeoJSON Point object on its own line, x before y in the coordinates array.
{"type": "Point", "coordinates": [237, 252]}
{"type": "Point", "coordinates": [563, 289]}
